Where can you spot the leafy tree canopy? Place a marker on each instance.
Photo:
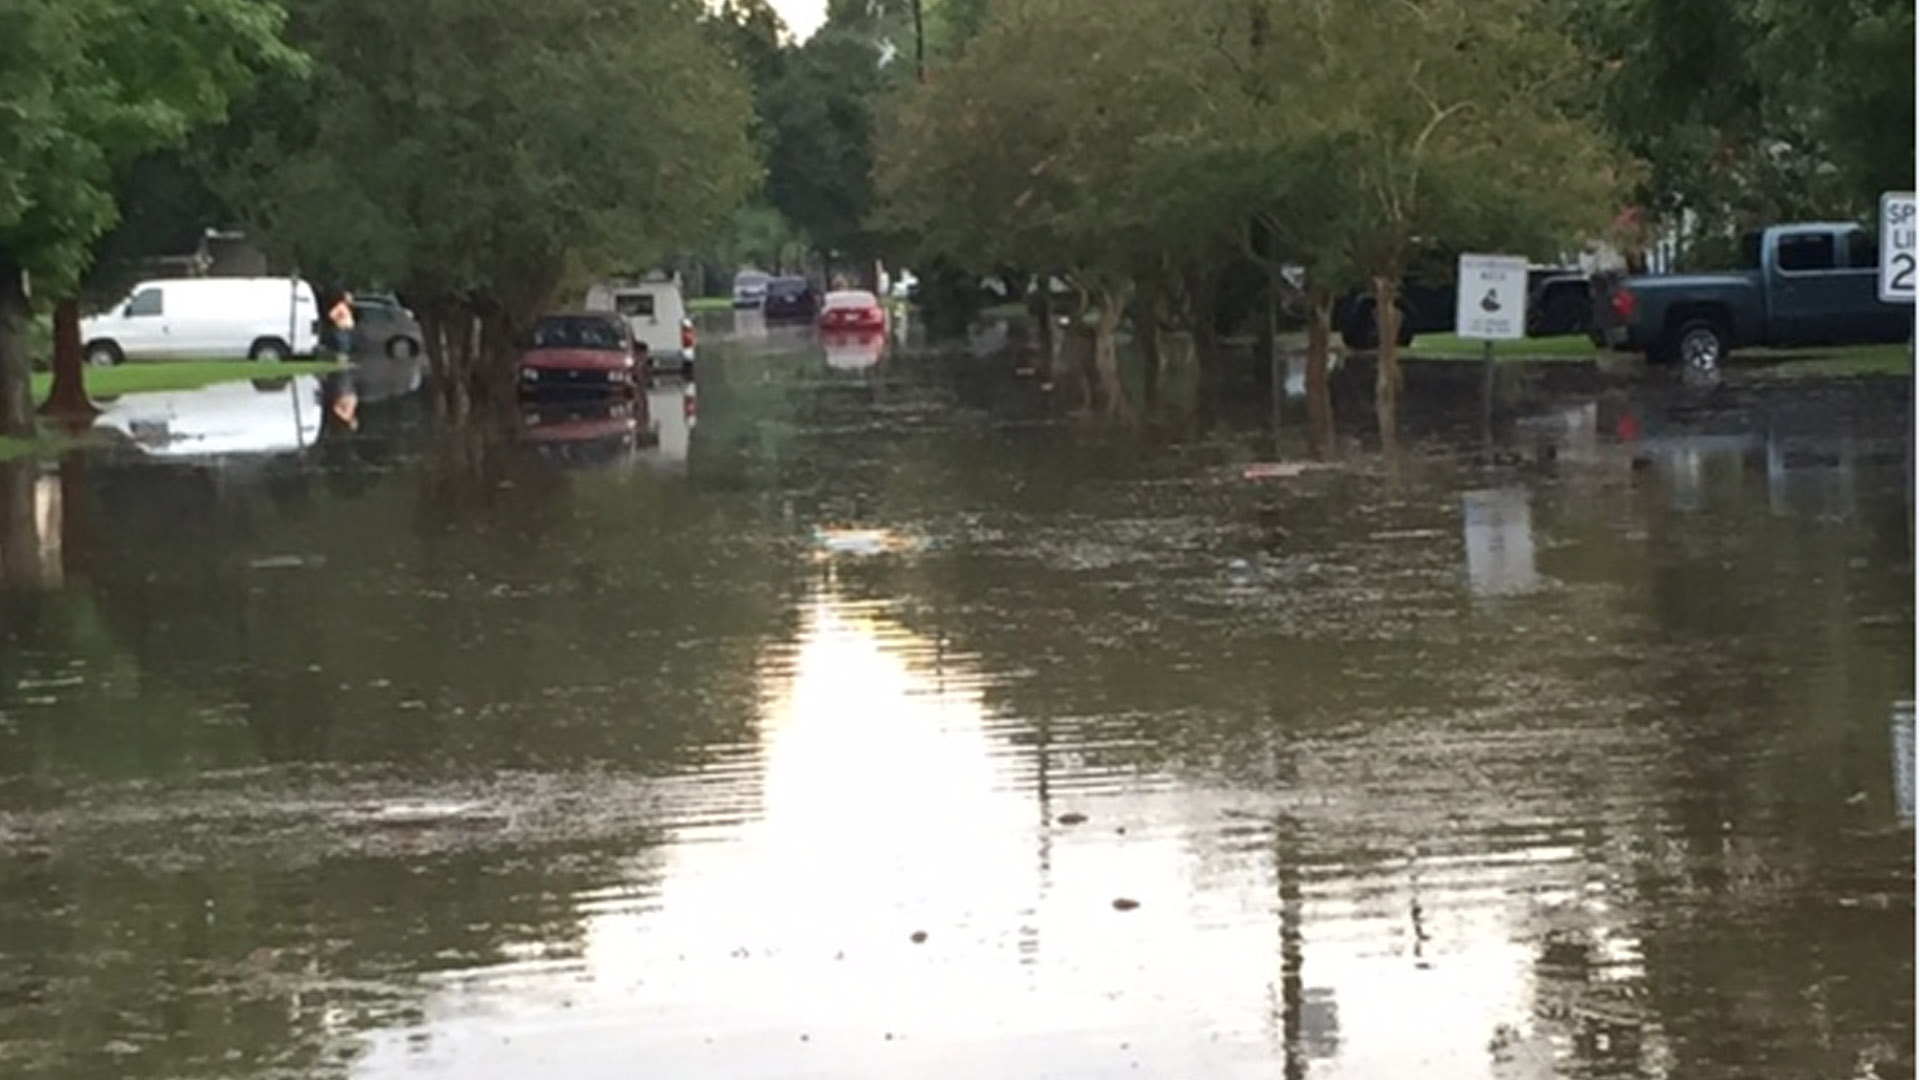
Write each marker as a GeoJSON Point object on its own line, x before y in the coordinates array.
{"type": "Point", "coordinates": [489, 154]}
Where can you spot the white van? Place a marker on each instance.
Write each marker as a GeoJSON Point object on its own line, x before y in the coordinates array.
{"type": "Point", "coordinates": [205, 319]}
{"type": "Point", "coordinates": [658, 315]}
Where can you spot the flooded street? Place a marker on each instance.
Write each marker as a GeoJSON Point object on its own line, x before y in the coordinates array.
{"type": "Point", "coordinates": [881, 715]}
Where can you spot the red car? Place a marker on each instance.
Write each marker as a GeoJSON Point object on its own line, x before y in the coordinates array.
{"type": "Point", "coordinates": [852, 310]}
{"type": "Point", "coordinates": [582, 351]}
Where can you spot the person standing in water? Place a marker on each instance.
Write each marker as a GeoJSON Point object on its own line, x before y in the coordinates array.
{"type": "Point", "coordinates": [341, 316]}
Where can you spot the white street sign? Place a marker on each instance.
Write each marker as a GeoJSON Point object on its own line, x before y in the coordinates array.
{"type": "Point", "coordinates": [1491, 304]}
{"type": "Point", "coordinates": [1897, 249]}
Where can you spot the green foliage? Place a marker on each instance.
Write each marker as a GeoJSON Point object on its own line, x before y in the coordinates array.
{"type": "Point", "coordinates": [953, 24]}
{"type": "Point", "coordinates": [485, 153]}
{"type": "Point", "coordinates": [1359, 131]}
{"type": "Point", "coordinates": [1750, 112]}
{"type": "Point", "coordinates": [90, 85]}
{"type": "Point", "coordinates": [1049, 142]}
{"type": "Point", "coordinates": [819, 119]}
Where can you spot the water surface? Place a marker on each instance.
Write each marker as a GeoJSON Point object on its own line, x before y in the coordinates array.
{"type": "Point", "coordinates": [813, 724]}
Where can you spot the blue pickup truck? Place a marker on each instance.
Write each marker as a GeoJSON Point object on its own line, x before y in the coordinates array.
{"type": "Point", "coordinates": [1808, 284]}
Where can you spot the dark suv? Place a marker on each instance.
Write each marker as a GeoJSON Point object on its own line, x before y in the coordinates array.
{"type": "Point", "coordinates": [791, 298]}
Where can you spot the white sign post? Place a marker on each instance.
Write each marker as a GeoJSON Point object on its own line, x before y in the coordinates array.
{"type": "Point", "coordinates": [1897, 252]}
{"type": "Point", "coordinates": [1897, 248]}
{"type": "Point", "coordinates": [1490, 304]}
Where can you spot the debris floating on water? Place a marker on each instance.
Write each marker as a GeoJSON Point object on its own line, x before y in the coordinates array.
{"type": "Point", "coordinates": [1277, 470]}
{"type": "Point", "coordinates": [1073, 818]}
{"type": "Point", "coordinates": [414, 815]}
{"type": "Point", "coordinates": [919, 937]}
{"type": "Point", "coordinates": [866, 542]}
{"type": "Point", "coordinates": [1125, 904]}
{"type": "Point", "coordinates": [288, 562]}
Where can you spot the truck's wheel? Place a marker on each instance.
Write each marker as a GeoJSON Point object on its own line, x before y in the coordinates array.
{"type": "Point", "coordinates": [104, 354]}
{"type": "Point", "coordinates": [1699, 348]}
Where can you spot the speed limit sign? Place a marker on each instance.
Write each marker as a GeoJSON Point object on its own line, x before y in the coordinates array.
{"type": "Point", "coordinates": [1897, 248]}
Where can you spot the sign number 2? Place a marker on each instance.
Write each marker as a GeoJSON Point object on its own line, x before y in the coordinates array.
{"type": "Point", "coordinates": [1903, 270]}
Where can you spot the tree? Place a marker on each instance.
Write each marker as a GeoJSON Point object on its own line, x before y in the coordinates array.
{"type": "Point", "coordinates": [1454, 125]}
{"type": "Point", "coordinates": [819, 118]}
{"type": "Point", "coordinates": [87, 86]}
{"type": "Point", "coordinates": [1853, 69]}
{"type": "Point", "coordinates": [492, 157]}
{"type": "Point", "coordinates": [1053, 143]}
{"type": "Point", "coordinates": [1750, 112]}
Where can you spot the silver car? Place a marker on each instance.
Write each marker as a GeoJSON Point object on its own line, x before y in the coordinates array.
{"type": "Point", "coordinates": [750, 288]}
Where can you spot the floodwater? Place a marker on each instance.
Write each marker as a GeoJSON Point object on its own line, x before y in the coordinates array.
{"type": "Point", "coordinates": [883, 714]}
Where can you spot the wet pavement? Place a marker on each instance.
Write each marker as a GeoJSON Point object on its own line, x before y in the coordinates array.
{"type": "Point", "coordinates": [879, 713]}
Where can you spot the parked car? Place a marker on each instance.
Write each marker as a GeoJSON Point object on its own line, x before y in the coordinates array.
{"type": "Point", "coordinates": [582, 351]}
{"type": "Point", "coordinates": [791, 298]}
{"type": "Point", "coordinates": [382, 324]}
{"type": "Point", "coordinates": [266, 319]}
{"type": "Point", "coordinates": [1557, 304]}
{"type": "Point", "coordinates": [656, 313]}
{"type": "Point", "coordinates": [1806, 284]}
{"type": "Point", "coordinates": [750, 288]}
{"type": "Point", "coordinates": [852, 309]}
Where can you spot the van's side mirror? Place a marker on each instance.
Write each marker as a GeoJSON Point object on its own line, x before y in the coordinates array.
{"type": "Point", "coordinates": [126, 310]}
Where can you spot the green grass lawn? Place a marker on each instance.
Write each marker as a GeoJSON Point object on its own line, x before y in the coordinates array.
{"type": "Point", "coordinates": [184, 375]}
{"type": "Point", "coordinates": [1853, 360]}
{"type": "Point", "coordinates": [710, 303]}
{"type": "Point", "coordinates": [1453, 347]}
{"type": "Point", "coordinates": [1772, 363]}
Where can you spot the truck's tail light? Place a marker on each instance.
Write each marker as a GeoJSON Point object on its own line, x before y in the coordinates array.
{"type": "Point", "coordinates": [686, 333]}
{"type": "Point", "coordinates": [1621, 303]}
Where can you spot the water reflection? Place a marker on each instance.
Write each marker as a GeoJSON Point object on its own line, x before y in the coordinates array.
{"type": "Point", "coordinates": [853, 351]}
{"type": "Point", "coordinates": [31, 524]}
{"type": "Point", "coordinates": [727, 764]}
{"type": "Point", "coordinates": [1903, 761]}
{"type": "Point", "coordinates": [255, 417]}
{"type": "Point", "coordinates": [1499, 531]}
{"type": "Point", "coordinates": [673, 411]}
{"type": "Point", "coordinates": [587, 432]}
{"type": "Point", "coordinates": [223, 419]}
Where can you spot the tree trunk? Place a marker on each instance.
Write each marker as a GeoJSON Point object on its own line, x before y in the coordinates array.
{"type": "Point", "coordinates": [1106, 352]}
{"type": "Point", "coordinates": [455, 395]}
{"type": "Point", "coordinates": [1387, 381]}
{"type": "Point", "coordinates": [1146, 322]}
{"type": "Point", "coordinates": [1266, 353]}
{"type": "Point", "coordinates": [1150, 358]}
{"type": "Point", "coordinates": [1319, 385]}
{"type": "Point", "coordinates": [493, 373]}
{"type": "Point", "coordinates": [1043, 315]}
{"type": "Point", "coordinates": [1202, 302]}
{"type": "Point", "coordinates": [68, 399]}
{"type": "Point", "coordinates": [1206, 316]}
{"type": "Point", "coordinates": [16, 363]}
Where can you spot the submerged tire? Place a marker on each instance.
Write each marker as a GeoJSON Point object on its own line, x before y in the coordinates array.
{"type": "Point", "coordinates": [1698, 349]}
